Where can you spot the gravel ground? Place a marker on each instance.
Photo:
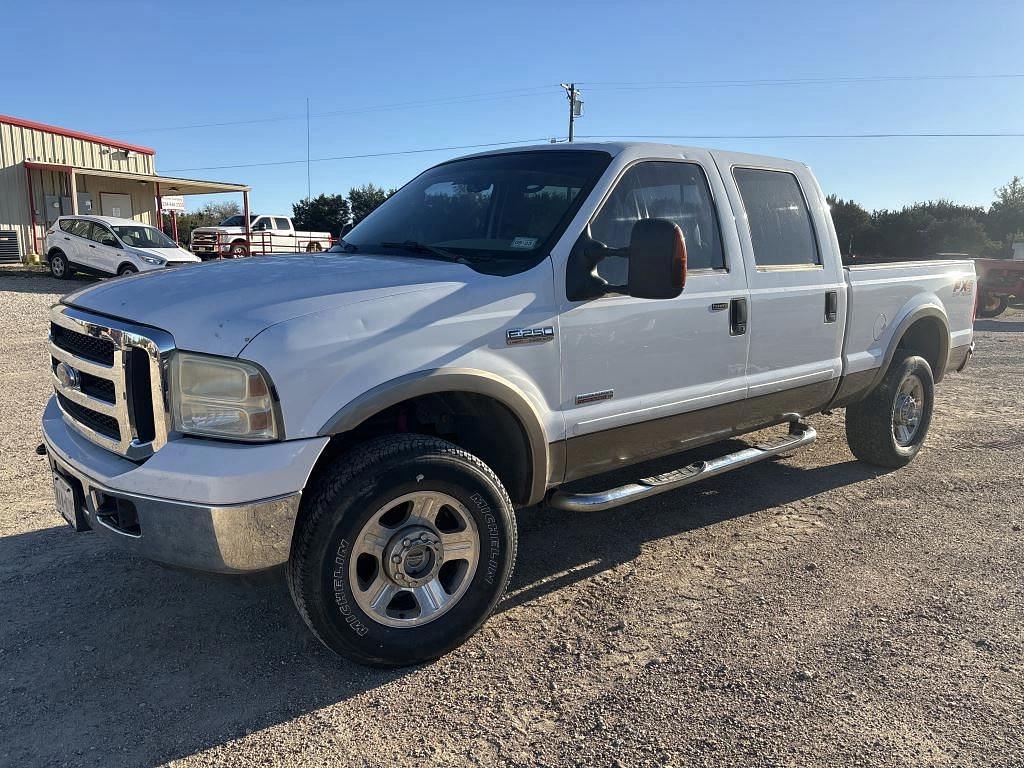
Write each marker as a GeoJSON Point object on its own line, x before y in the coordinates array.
{"type": "Point", "coordinates": [809, 611]}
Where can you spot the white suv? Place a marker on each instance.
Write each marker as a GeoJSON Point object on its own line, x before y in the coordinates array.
{"type": "Point", "coordinates": [103, 245]}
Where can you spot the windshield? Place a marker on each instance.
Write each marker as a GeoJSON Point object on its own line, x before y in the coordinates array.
{"type": "Point", "coordinates": [142, 236]}
{"type": "Point", "coordinates": [237, 220]}
{"type": "Point", "coordinates": [501, 213]}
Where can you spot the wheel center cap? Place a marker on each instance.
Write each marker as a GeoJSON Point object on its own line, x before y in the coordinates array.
{"type": "Point", "coordinates": [413, 556]}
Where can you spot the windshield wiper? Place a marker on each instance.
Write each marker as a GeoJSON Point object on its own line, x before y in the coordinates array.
{"type": "Point", "coordinates": [431, 250]}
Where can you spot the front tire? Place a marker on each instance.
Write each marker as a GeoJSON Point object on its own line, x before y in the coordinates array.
{"type": "Point", "coordinates": [239, 250]}
{"type": "Point", "coordinates": [127, 270]}
{"type": "Point", "coordinates": [889, 426]}
{"type": "Point", "coordinates": [59, 266]}
{"type": "Point", "coordinates": [403, 548]}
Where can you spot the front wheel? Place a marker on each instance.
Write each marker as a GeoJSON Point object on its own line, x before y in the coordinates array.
{"type": "Point", "coordinates": [238, 250]}
{"type": "Point", "coordinates": [127, 270]}
{"type": "Point", "coordinates": [990, 305]}
{"type": "Point", "coordinates": [888, 427]}
{"type": "Point", "coordinates": [403, 548]}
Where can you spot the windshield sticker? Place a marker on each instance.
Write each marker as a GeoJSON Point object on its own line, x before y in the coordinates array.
{"type": "Point", "coordinates": [524, 242]}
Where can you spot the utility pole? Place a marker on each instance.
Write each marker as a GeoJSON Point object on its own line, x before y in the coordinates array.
{"type": "Point", "coordinates": [309, 184]}
{"type": "Point", "coordinates": [575, 105]}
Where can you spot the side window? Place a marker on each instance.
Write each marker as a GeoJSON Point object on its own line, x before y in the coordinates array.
{"type": "Point", "coordinates": [79, 228]}
{"type": "Point", "coordinates": [678, 192]}
{"type": "Point", "coordinates": [281, 224]}
{"type": "Point", "coordinates": [780, 224]}
{"type": "Point", "coordinates": [261, 224]}
{"type": "Point", "coordinates": [67, 225]}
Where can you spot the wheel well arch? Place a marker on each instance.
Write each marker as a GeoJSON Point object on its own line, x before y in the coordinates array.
{"type": "Point", "coordinates": [55, 250]}
{"type": "Point", "coordinates": [475, 410]}
{"type": "Point", "coordinates": [926, 332]}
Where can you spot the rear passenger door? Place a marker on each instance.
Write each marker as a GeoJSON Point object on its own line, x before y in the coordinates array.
{"type": "Point", "coordinates": [797, 290]}
{"type": "Point", "coordinates": [76, 240]}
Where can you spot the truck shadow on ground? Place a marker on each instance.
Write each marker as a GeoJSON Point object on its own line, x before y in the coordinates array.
{"type": "Point", "coordinates": [110, 660]}
{"type": "Point", "coordinates": [999, 326]}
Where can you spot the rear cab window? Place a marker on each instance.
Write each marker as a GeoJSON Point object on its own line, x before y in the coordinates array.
{"type": "Point", "coordinates": [781, 230]}
{"type": "Point", "coordinates": [281, 224]}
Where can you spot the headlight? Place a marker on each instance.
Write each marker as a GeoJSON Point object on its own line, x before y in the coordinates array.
{"type": "Point", "coordinates": [221, 397]}
{"type": "Point", "coordinates": [154, 260]}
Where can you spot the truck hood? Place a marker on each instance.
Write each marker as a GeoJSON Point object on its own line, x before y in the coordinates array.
{"type": "Point", "coordinates": [226, 230]}
{"type": "Point", "coordinates": [218, 307]}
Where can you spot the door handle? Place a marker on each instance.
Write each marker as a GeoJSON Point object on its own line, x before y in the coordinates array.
{"type": "Point", "coordinates": [67, 238]}
{"type": "Point", "coordinates": [737, 317]}
{"type": "Point", "coordinates": [91, 245]}
{"type": "Point", "coordinates": [831, 306]}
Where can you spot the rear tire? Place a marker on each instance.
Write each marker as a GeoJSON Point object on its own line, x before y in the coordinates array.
{"type": "Point", "coordinates": [888, 427]}
{"type": "Point", "coordinates": [990, 305]}
{"type": "Point", "coordinates": [403, 548]}
{"type": "Point", "coordinates": [59, 265]}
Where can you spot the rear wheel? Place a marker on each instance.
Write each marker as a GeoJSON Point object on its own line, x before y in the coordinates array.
{"type": "Point", "coordinates": [403, 550]}
{"type": "Point", "coordinates": [59, 266]}
{"type": "Point", "coordinates": [888, 427]}
{"type": "Point", "coordinates": [991, 305]}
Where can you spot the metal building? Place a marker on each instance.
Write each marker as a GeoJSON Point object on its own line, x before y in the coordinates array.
{"type": "Point", "coordinates": [46, 171]}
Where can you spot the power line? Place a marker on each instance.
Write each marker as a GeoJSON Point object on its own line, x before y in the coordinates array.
{"type": "Point", "coordinates": [362, 156]}
{"type": "Point", "coordinates": [750, 136]}
{"type": "Point", "coordinates": [654, 84]}
{"type": "Point", "coordinates": [935, 135]}
{"type": "Point", "coordinates": [514, 93]}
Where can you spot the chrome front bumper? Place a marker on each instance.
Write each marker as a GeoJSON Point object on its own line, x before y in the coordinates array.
{"type": "Point", "coordinates": [216, 527]}
{"type": "Point", "coordinates": [225, 539]}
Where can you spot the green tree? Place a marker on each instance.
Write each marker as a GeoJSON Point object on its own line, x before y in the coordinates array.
{"type": "Point", "coordinates": [209, 215]}
{"type": "Point", "coordinates": [324, 213]}
{"type": "Point", "coordinates": [363, 200]}
{"type": "Point", "coordinates": [853, 225]}
{"type": "Point", "coordinates": [1006, 215]}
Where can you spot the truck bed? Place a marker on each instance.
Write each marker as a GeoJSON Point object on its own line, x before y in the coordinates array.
{"type": "Point", "coordinates": [881, 296]}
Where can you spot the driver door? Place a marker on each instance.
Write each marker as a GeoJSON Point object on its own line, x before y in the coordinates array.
{"type": "Point", "coordinates": [643, 378]}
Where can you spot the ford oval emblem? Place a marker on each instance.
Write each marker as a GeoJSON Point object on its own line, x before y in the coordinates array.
{"type": "Point", "coordinates": [67, 376]}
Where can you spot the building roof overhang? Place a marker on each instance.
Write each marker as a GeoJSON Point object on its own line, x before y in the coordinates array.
{"type": "Point", "coordinates": [31, 124]}
{"type": "Point", "coordinates": [169, 185]}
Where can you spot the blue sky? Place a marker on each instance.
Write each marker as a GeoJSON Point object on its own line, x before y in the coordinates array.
{"type": "Point", "coordinates": [145, 66]}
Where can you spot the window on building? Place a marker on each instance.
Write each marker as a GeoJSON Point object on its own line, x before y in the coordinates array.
{"type": "Point", "coordinates": [780, 224]}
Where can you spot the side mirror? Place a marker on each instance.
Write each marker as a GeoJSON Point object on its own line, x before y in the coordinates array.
{"type": "Point", "coordinates": [657, 259]}
{"type": "Point", "coordinates": [347, 228]}
{"type": "Point", "coordinates": [111, 242]}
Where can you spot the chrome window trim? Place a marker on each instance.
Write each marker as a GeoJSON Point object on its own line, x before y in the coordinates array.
{"type": "Point", "coordinates": [125, 337]}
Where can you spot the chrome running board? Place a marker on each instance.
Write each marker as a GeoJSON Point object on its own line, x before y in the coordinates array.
{"type": "Point", "coordinates": [799, 436]}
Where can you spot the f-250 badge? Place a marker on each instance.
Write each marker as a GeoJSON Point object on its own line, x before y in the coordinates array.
{"type": "Point", "coordinates": [515, 336]}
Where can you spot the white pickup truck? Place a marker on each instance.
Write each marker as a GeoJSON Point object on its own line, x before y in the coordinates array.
{"type": "Point", "coordinates": [267, 234]}
{"type": "Point", "coordinates": [506, 323]}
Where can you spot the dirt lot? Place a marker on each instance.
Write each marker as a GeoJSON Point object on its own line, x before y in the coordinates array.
{"type": "Point", "coordinates": [811, 611]}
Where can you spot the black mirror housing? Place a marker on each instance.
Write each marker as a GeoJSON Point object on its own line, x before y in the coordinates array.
{"type": "Point", "coordinates": [657, 259]}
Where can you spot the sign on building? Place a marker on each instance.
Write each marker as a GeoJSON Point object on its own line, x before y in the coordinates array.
{"type": "Point", "coordinates": [174, 203]}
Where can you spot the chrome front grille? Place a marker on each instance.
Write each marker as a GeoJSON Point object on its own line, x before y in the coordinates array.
{"type": "Point", "coordinates": [109, 379]}
{"type": "Point", "coordinates": [204, 242]}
